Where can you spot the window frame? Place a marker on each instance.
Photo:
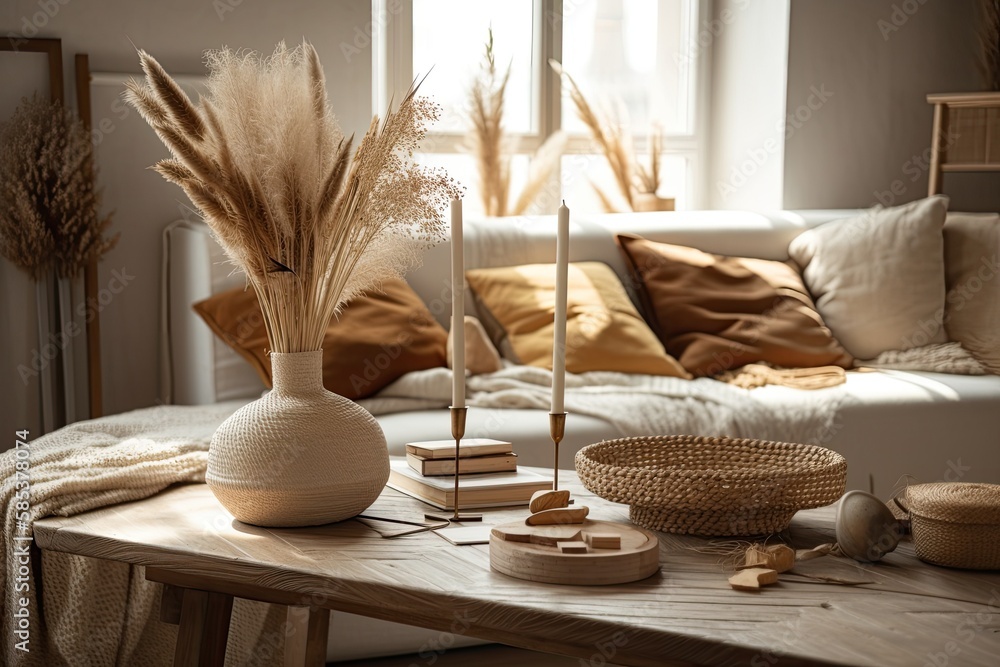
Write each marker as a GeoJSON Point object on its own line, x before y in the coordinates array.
{"type": "Point", "coordinates": [392, 74]}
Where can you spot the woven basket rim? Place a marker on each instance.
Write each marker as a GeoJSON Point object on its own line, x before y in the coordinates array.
{"type": "Point", "coordinates": [779, 485]}
{"type": "Point", "coordinates": [761, 470]}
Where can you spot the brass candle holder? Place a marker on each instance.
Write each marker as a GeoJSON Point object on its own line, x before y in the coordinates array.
{"type": "Point", "coordinates": [557, 430]}
{"type": "Point", "coordinates": [458, 416]}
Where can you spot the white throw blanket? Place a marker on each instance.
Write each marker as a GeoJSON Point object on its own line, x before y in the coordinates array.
{"type": "Point", "coordinates": [634, 404]}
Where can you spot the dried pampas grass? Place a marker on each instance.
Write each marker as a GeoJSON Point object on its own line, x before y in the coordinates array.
{"type": "Point", "coordinates": [48, 203]}
{"type": "Point", "coordinates": [488, 144]}
{"type": "Point", "coordinates": [615, 141]}
{"type": "Point", "coordinates": [264, 160]}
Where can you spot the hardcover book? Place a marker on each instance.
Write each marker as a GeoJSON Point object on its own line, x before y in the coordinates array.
{"type": "Point", "coordinates": [445, 449]}
{"type": "Point", "coordinates": [471, 465]}
{"type": "Point", "coordinates": [501, 489]}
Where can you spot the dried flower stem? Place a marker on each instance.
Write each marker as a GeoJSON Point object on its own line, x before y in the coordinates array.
{"type": "Point", "coordinates": [489, 145]}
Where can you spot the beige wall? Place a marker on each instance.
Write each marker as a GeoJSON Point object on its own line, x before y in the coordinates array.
{"type": "Point", "coordinates": [749, 57]}
{"type": "Point", "coordinates": [822, 103]}
{"type": "Point", "coordinates": [176, 32]}
{"type": "Point", "coordinates": [879, 59]}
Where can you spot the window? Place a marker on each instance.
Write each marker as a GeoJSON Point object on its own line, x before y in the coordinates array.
{"type": "Point", "coordinates": [631, 58]}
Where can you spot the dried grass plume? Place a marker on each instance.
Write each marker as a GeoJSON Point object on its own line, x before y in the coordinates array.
{"type": "Point", "coordinates": [49, 206]}
{"type": "Point", "coordinates": [615, 142]}
{"type": "Point", "coordinates": [488, 144]}
{"type": "Point", "coordinates": [266, 163]}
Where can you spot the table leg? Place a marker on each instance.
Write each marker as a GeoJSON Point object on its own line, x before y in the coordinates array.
{"type": "Point", "coordinates": [204, 629]}
{"type": "Point", "coordinates": [305, 641]}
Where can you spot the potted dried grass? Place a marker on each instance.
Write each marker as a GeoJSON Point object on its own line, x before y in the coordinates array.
{"type": "Point", "coordinates": [636, 183]}
{"type": "Point", "coordinates": [264, 160]}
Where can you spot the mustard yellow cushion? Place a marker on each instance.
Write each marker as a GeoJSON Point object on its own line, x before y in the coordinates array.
{"type": "Point", "coordinates": [604, 331]}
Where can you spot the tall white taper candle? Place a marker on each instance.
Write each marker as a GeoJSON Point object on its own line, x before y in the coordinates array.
{"type": "Point", "coordinates": [559, 333]}
{"type": "Point", "coordinates": [457, 306]}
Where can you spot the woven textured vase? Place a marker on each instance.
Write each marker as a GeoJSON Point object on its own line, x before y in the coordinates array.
{"type": "Point", "coordinates": [299, 456]}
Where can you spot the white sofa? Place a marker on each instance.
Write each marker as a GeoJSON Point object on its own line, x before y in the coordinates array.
{"type": "Point", "coordinates": [930, 425]}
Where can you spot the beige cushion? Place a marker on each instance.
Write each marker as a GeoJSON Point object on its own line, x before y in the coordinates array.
{"type": "Point", "coordinates": [480, 355]}
{"type": "Point", "coordinates": [972, 265]}
{"type": "Point", "coordinates": [604, 331]}
{"type": "Point", "coordinates": [878, 278]}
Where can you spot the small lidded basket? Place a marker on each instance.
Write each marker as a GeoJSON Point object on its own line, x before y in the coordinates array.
{"type": "Point", "coordinates": [956, 524]}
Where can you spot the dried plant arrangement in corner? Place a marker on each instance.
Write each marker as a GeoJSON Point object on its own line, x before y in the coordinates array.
{"type": "Point", "coordinates": [989, 43]}
{"type": "Point", "coordinates": [265, 161]}
{"type": "Point", "coordinates": [634, 182]}
{"type": "Point", "coordinates": [49, 206]}
{"type": "Point", "coordinates": [489, 145]}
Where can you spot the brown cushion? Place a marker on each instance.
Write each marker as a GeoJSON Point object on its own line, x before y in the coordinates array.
{"type": "Point", "coordinates": [714, 312]}
{"type": "Point", "coordinates": [604, 331]}
{"type": "Point", "coordinates": [378, 337]}
{"type": "Point", "coordinates": [972, 264]}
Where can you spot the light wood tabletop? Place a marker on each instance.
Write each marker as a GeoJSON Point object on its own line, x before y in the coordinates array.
{"type": "Point", "coordinates": [909, 613]}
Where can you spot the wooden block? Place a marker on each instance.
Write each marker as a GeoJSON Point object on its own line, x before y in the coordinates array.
{"type": "Point", "coordinates": [778, 557]}
{"type": "Point", "coordinates": [513, 534]}
{"type": "Point", "coordinates": [603, 540]}
{"type": "Point", "coordinates": [572, 547]}
{"type": "Point", "coordinates": [548, 500]}
{"type": "Point", "coordinates": [552, 535]}
{"type": "Point", "coordinates": [562, 515]}
{"type": "Point", "coordinates": [753, 578]}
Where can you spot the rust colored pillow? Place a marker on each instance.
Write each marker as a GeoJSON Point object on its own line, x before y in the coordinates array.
{"type": "Point", "coordinates": [604, 331]}
{"type": "Point", "coordinates": [714, 313]}
{"type": "Point", "coordinates": [378, 338]}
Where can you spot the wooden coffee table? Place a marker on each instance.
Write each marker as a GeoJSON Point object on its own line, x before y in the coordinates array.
{"type": "Point", "coordinates": [909, 613]}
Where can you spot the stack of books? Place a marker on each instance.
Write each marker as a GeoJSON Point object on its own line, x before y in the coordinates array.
{"type": "Point", "coordinates": [493, 479]}
{"type": "Point", "coordinates": [476, 455]}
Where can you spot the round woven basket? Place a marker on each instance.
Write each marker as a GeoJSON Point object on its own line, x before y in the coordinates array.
{"type": "Point", "coordinates": [956, 524]}
{"type": "Point", "coordinates": [712, 485]}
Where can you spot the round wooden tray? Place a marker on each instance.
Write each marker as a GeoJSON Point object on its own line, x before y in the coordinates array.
{"type": "Point", "coordinates": [638, 557]}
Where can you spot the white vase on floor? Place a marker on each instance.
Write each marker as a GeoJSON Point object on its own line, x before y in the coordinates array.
{"type": "Point", "coordinates": [299, 456]}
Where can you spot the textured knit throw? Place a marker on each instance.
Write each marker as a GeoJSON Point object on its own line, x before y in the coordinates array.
{"type": "Point", "coordinates": [97, 612]}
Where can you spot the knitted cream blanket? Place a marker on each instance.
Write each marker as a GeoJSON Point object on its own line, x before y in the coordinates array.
{"type": "Point", "coordinates": [635, 404]}
{"type": "Point", "coordinates": [85, 611]}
